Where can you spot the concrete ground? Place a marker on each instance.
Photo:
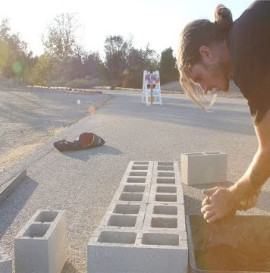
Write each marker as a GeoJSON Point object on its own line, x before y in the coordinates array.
{"type": "Point", "coordinates": [84, 182]}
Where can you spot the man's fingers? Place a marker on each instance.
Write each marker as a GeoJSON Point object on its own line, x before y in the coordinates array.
{"type": "Point", "coordinates": [206, 201]}
{"type": "Point", "coordinates": [210, 214]}
{"type": "Point", "coordinates": [213, 217]}
{"type": "Point", "coordinates": [209, 192]}
{"type": "Point", "coordinates": [206, 208]}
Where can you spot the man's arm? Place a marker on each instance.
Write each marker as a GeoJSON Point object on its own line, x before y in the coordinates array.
{"type": "Point", "coordinates": [259, 170]}
{"type": "Point", "coordinates": [223, 201]}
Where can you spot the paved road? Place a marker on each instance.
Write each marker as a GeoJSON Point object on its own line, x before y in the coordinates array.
{"type": "Point", "coordinates": [83, 183]}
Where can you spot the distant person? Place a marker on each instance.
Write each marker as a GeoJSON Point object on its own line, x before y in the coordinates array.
{"type": "Point", "coordinates": [209, 55]}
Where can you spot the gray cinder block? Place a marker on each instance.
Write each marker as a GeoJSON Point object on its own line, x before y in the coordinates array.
{"type": "Point", "coordinates": [151, 252]}
{"type": "Point", "coordinates": [41, 245]}
{"type": "Point", "coordinates": [165, 217]}
{"type": "Point", "coordinates": [166, 173]}
{"type": "Point", "coordinates": [203, 168]}
{"type": "Point", "coordinates": [143, 230]}
{"type": "Point", "coordinates": [166, 193]}
{"type": "Point", "coordinates": [5, 262]}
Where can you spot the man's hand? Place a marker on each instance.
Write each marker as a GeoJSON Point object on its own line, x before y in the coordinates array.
{"type": "Point", "coordinates": [218, 204]}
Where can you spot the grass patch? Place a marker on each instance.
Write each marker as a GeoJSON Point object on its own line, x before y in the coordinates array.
{"type": "Point", "coordinates": [55, 131]}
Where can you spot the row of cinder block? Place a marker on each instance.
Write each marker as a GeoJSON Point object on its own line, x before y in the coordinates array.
{"type": "Point", "coordinates": [143, 229]}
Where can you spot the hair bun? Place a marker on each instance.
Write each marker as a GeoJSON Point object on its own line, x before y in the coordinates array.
{"type": "Point", "coordinates": [223, 19]}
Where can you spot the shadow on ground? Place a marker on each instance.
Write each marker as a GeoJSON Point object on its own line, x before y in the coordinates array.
{"type": "Point", "coordinates": [14, 203]}
{"type": "Point", "coordinates": [84, 155]}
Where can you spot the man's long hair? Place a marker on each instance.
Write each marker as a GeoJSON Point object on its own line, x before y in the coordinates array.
{"type": "Point", "coordinates": [195, 34]}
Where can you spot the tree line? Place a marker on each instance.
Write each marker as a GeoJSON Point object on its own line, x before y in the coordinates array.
{"type": "Point", "coordinates": [65, 62]}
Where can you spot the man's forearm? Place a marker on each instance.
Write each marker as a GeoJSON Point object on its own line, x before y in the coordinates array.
{"type": "Point", "coordinates": [255, 176]}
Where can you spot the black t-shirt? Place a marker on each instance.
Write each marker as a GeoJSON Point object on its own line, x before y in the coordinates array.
{"type": "Point", "coordinates": [250, 53]}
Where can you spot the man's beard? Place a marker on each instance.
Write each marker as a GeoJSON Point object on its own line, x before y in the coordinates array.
{"type": "Point", "coordinates": [222, 71]}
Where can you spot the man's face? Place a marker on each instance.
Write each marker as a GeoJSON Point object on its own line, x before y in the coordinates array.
{"type": "Point", "coordinates": [210, 76]}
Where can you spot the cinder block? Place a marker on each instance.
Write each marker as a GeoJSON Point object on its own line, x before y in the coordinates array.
{"type": "Point", "coordinates": [142, 180]}
{"type": "Point", "coordinates": [125, 208]}
{"type": "Point", "coordinates": [139, 165]}
{"type": "Point", "coordinates": [160, 198]}
{"type": "Point", "coordinates": [143, 231]}
{"type": "Point", "coordinates": [136, 188]}
{"type": "Point", "coordinates": [5, 262]}
{"type": "Point", "coordinates": [139, 168]}
{"type": "Point", "coordinates": [164, 217]}
{"type": "Point", "coordinates": [166, 193]}
{"type": "Point", "coordinates": [41, 245]}
{"type": "Point", "coordinates": [130, 197]}
{"type": "Point", "coordinates": [166, 173]}
{"type": "Point", "coordinates": [142, 252]}
{"type": "Point", "coordinates": [122, 221]}
{"type": "Point", "coordinates": [203, 168]}
{"type": "Point", "coordinates": [165, 166]}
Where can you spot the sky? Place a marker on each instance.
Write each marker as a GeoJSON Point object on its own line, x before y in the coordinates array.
{"type": "Point", "coordinates": [157, 23]}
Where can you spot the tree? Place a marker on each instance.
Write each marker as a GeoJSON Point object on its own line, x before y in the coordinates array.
{"type": "Point", "coordinates": [94, 65]}
{"type": "Point", "coordinates": [116, 51]}
{"type": "Point", "coordinates": [139, 60]}
{"type": "Point", "coordinates": [60, 46]}
{"type": "Point", "coordinates": [168, 68]}
{"type": "Point", "coordinates": [60, 41]}
{"type": "Point", "coordinates": [41, 74]}
{"type": "Point", "coordinates": [15, 59]}
{"type": "Point", "coordinates": [125, 64]}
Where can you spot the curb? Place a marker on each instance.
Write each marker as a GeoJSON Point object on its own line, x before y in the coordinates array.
{"type": "Point", "coordinates": [8, 187]}
{"type": "Point", "coordinates": [12, 176]}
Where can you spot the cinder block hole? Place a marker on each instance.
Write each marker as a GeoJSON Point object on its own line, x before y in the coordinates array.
{"type": "Point", "coordinates": [131, 197]}
{"type": "Point", "coordinates": [136, 180]}
{"type": "Point", "coordinates": [212, 153]}
{"type": "Point", "coordinates": [122, 221]}
{"type": "Point", "coordinates": [141, 163]}
{"type": "Point", "coordinates": [165, 163]}
{"type": "Point", "coordinates": [166, 198]}
{"type": "Point", "coordinates": [160, 222]}
{"type": "Point", "coordinates": [160, 239]}
{"type": "Point", "coordinates": [138, 173]}
{"type": "Point", "coordinates": [164, 168]}
{"type": "Point", "coordinates": [166, 189]}
{"type": "Point", "coordinates": [36, 230]}
{"type": "Point", "coordinates": [46, 216]}
{"type": "Point", "coordinates": [126, 209]}
{"type": "Point", "coordinates": [139, 168]}
{"type": "Point", "coordinates": [117, 237]}
{"type": "Point", "coordinates": [168, 210]}
{"type": "Point", "coordinates": [134, 188]}
{"type": "Point", "coordinates": [165, 180]}
{"type": "Point", "coordinates": [166, 174]}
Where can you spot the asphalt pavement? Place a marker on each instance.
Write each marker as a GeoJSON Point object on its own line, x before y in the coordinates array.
{"type": "Point", "coordinates": [84, 182]}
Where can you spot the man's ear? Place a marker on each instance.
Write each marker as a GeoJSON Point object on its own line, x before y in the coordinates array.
{"type": "Point", "coordinates": [206, 53]}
